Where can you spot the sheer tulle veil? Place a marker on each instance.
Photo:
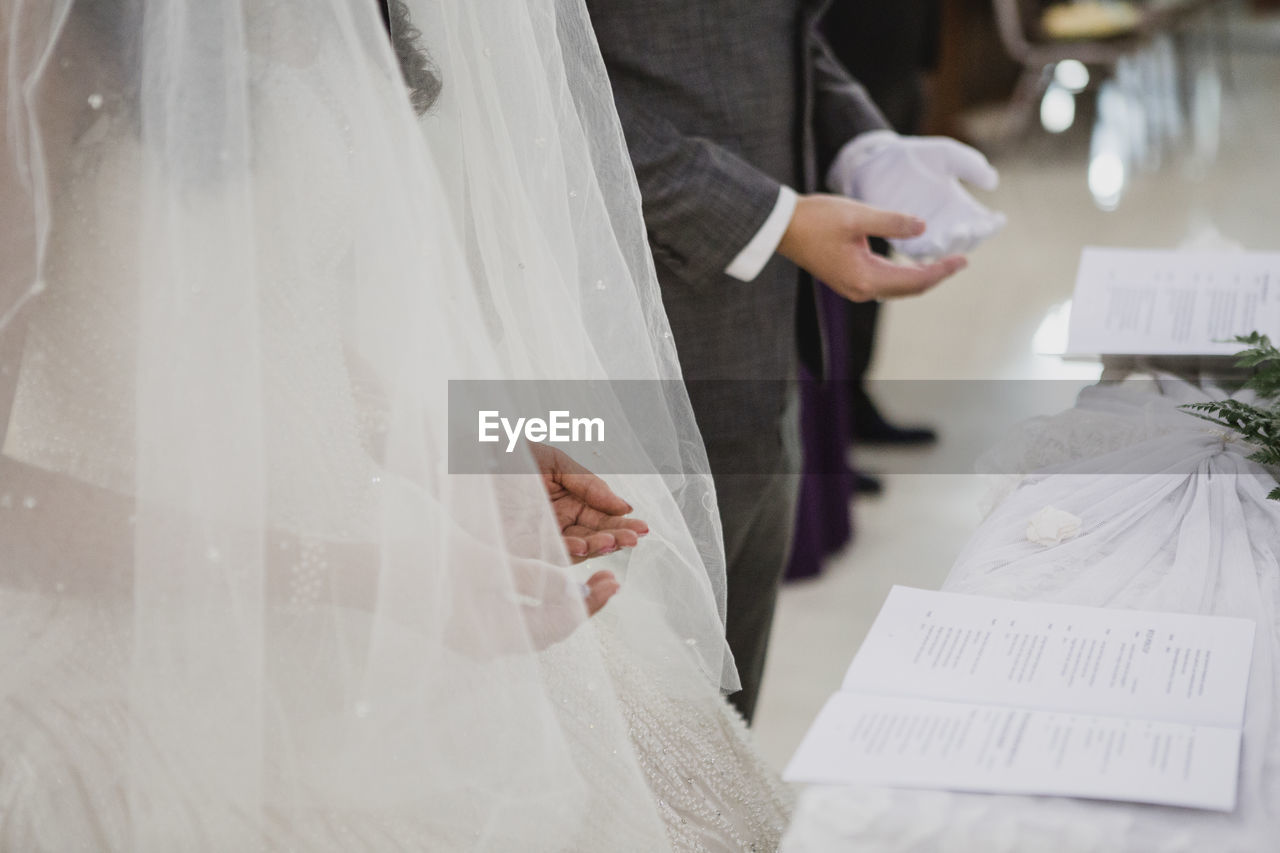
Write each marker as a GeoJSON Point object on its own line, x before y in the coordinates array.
{"type": "Point", "coordinates": [528, 142]}
{"type": "Point", "coordinates": [244, 603]}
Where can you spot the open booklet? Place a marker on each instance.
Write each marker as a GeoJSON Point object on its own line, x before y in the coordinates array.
{"type": "Point", "coordinates": [969, 693]}
{"type": "Point", "coordinates": [1172, 302]}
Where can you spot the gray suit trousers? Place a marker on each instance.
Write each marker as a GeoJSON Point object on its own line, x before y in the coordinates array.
{"type": "Point", "coordinates": [722, 103]}
{"type": "Point", "coordinates": [757, 509]}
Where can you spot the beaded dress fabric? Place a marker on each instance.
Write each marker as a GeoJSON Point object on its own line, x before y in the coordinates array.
{"type": "Point", "coordinates": [73, 410]}
{"type": "Point", "coordinates": [711, 789]}
{"type": "Point", "coordinates": [714, 791]}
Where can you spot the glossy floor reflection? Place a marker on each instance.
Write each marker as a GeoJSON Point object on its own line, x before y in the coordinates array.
{"type": "Point", "coordinates": [1218, 183]}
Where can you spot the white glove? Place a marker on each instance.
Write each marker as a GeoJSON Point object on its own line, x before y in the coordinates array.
{"type": "Point", "coordinates": [920, 175]}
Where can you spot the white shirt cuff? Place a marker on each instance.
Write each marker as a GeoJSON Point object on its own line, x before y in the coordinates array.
{"type": "Point", "coordinates": [756, 254]}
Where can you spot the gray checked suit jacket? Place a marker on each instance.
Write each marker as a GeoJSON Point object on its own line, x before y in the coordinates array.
{"type": "Point", "coordinates": [722, 101]}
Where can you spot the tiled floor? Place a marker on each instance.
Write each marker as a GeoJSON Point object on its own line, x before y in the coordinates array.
{"type": "Point", "coordinates": [984, 324]}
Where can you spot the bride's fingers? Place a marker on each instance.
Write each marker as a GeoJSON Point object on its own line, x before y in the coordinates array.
{"type": "Point", "coordinates": [576, 546]}
{"type": "Point", "coordinates": [603, 539]}
{"type": "Point", "coordinates": [595, 493]}
{"type": "Point", "coordinates": [625, 538]}
{"type": "Point", "coordinates": [589, 517]}
{"type": "Point", "coordinates": [601, 587]}
{"type": "Point", "coordinates": [601, 542]}
{"type": "Point", "coordinates": [597, 542]}
{"type": "Point", "coordinates": [580, 482]}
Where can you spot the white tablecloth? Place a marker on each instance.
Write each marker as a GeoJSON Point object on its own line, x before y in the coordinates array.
{"type": "Point", "coordinates": [1174, 518]}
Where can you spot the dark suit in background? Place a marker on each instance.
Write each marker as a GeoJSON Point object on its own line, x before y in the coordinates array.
{"type": "Point", "coordinates": [722, 101]}
{"type": "Point", "coordinates": [886, 44]}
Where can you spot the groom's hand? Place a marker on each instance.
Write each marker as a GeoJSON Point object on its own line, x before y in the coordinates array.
{"type": "Point", "coordinates": [590, 515]}
{"type": "Point", "coordinates": [828, 235]}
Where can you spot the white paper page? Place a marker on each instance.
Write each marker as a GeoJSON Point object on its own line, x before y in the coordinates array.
{"type": "Point", "coordinates": [1157, 302]}
{"type": "Point", "coordinates": [915, 743]}
{"type": "Point", "coordinates": [1057, 657]}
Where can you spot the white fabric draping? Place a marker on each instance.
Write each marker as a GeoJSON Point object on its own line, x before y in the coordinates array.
{"type": "Point", "coordinates": [1173, 517]}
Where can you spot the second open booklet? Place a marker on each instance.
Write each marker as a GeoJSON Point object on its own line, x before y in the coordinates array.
{"type": "Point", "coordinates": [968, 693]}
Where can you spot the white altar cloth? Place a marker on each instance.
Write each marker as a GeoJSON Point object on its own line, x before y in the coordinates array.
{"type": "Point", "coordinates": [1173, 518]}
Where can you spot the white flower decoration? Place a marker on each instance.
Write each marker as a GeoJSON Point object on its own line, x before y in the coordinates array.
{"type": "Point", "coordinates": [1050, 526]}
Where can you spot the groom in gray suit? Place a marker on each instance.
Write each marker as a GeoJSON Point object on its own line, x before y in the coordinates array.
{"type": "Point", "coordinates": [729, 108]}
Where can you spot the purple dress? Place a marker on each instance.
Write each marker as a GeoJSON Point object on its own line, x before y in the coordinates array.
{"type": "Point", "coordinates": [823, 522]}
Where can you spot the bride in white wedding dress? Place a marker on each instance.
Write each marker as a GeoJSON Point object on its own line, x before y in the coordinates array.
{"type": "Point", "coordinates": [245, 603]}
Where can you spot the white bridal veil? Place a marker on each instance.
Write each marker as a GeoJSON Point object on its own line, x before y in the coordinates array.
{"type": "Point", "coordinates": [244, 602]}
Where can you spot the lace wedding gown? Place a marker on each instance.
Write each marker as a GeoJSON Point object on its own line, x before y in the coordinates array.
{"type": "Point", "coordinates": [173, 682]}
{"type": "Point", "coordinates": [1174, 518]}
{"type": "Point", "coordinates": [65, 733]}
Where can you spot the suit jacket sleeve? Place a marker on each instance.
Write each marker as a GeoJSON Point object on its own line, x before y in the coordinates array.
{"type": "Point", "coordinates": [841, 106]}
{"type": "Point", "coordinates": [702, 203]}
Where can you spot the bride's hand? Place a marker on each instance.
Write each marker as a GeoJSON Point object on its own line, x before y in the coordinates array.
{"type": "Point", "coordinates": [591, 517]}
{"type": "Point", "coordinates": [542, 607]}
{"type": "Point", "coordinates": [600, 587]}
